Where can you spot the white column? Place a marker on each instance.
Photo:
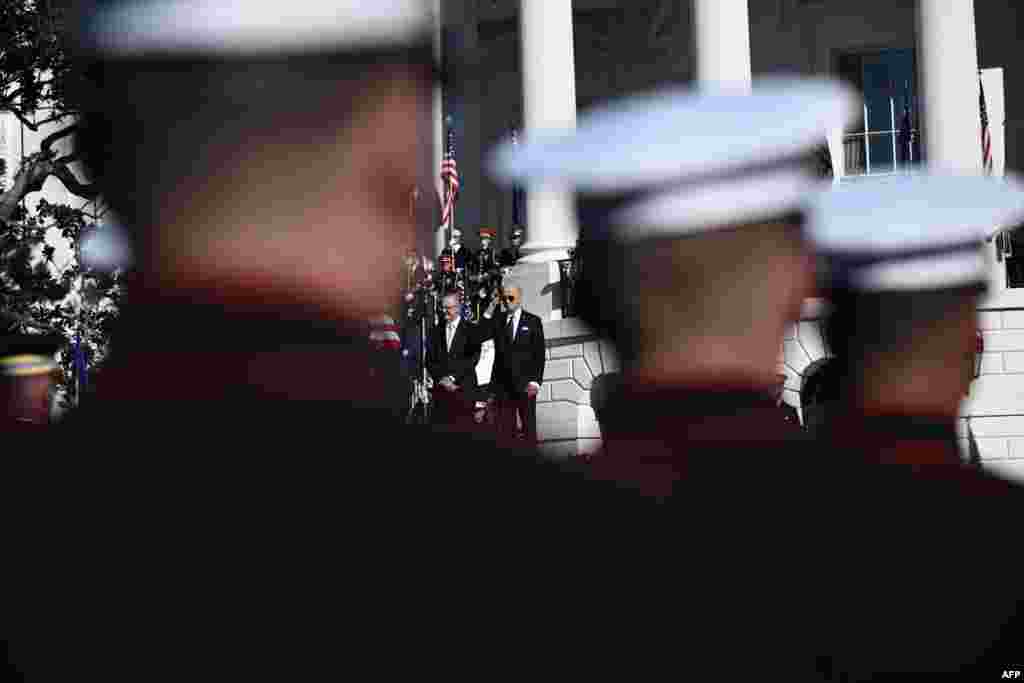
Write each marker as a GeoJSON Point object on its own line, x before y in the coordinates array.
{"type": "Point", "coordinates": [949, 75]}
{"type": "Point", "coordinates": [838, 153]}
{"type": "Point", "coordinates": [549, 102]}
{"type": "Point", "coordinates": [722, 36]}
{"type": "Point", "coordinates": [438, 127]}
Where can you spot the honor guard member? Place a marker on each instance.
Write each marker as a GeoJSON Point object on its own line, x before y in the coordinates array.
{"type": "Point", "coordinates": [462, 259]}
{"type": "Point", "coordinates": [906, 270]}
{"type": "Point", "coordinates": [510, 255]}
{"type": "Point", "coordinates": [27, 374]}
{"type": "Point", "coordinates": [486, 273]}
{"type": "Point", "coordinates": [261, 157]}
{"type": "Point", "coordinates": [485, 260]}
{"type": "Point", "coordinates": [696, 260]}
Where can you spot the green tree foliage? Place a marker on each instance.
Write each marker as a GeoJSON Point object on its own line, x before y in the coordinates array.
{"type": "Point", "coordinates": [38, 294]}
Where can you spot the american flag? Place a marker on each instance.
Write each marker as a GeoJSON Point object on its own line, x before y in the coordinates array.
{"type": "Point", "coordinates": [450, 179]}
{"type": "Point", "coordinates": [384, 334]}
{"type": "Point", "coordinates": [986, 136]}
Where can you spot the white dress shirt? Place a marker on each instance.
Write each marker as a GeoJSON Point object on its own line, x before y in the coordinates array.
{"type": "Point", "coordinates": [514, 324]}
{"type": "Point", "coordinates": [452, 328]}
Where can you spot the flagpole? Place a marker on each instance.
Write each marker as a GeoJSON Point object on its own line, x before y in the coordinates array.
{"type": "Point", "coordinates": [78, 375]}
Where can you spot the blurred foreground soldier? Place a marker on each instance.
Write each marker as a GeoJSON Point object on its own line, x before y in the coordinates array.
{"type": "Point", "coordinates": [695, 262]}
{"type": "Point", "coordinates": [27, 368]}
{"type": "Point", "coordinates": [262, 159]}
{"type": "Point", "coordinates": [907, 268]}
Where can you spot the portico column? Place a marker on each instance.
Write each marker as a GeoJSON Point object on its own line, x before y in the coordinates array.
{"type": "Point", "coordinates": [722, 37]}
{"type": "Point", "coordinates": [549, 103]}
{"type": "Point", "coordinates": [949, 76]}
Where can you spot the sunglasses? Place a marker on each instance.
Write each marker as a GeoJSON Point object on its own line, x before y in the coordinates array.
{"type": "Point", "coordinates": [510, 299]}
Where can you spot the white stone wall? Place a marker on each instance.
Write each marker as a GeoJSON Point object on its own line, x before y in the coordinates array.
{"type": "Point", "coordinates": [995, 407]}
{"type": "Point", "coordinates": [996, 404]}
{"type": "Point", "coordinates": [566, 425]}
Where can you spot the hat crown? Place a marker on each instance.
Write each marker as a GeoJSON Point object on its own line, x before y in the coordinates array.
{"type": "Point", "coordinates": [917, 231]}
{"type": "Point", "coordinates": [924, 210]}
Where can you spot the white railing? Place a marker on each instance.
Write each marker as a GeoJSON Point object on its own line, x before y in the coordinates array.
{"type": "Point", "coordinates": [857, 147]}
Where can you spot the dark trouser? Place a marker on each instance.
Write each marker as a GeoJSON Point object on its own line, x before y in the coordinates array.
{"type": "Point", "coordinates": [511, 404]}
{"type": "Point", "coordinates": [452, 408]}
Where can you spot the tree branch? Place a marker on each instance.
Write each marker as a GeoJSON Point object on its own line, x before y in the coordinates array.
{"type": "Point", "coordinates": [28, 124]}
{"type": "Point", "coordinates": [30, 178]}
{"type": "Point", "coordinates": [83, 190]}
{"type": "Point", "coordinates": [34, 172]}
{"type": "Point", "coordinates": [48, 141]}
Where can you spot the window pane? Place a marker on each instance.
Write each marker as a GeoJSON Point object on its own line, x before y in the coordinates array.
{"type": "Point", "coordinates": [880, 149]}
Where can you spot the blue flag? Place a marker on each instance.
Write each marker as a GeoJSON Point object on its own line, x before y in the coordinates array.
{"type": "Point", "coordinates": [81, 371]}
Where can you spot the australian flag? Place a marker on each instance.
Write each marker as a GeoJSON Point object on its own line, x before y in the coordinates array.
{"type": "Point", "coordinates": [81, 368]}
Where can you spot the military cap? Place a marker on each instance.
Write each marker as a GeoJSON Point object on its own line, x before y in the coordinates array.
{"type": "Point", "coordinates": [25, 355]}
{"type": "Point", "coordinates": [687, 160]}
{"type": "Point", "coordinates": [242, 27]}
{"type": "Point", "coordinates": [487, 232]}
{"type": "Point", "coordinates": [918, 231]}
{"type": "Point", "coordinates": [518, 232]}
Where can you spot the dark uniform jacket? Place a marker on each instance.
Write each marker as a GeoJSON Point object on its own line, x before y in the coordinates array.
{"type": "Point", "coordinates": [463, 258]}
{"type": "Point", "coordinates": [237, 476]}
{"type": "Point", "coordinates": [655, 434]}
{"type": "Point", "coordinates": [486, 261]}
{"type": "Point", "coordinates": [745, 494]}
{"type": "Point", "coordinates": [925, 542]}
{"type": "Point", "coordinates": [508, 257]}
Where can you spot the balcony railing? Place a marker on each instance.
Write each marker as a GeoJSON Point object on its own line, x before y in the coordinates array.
{"type": "Point", "coordinates": [857, 149]}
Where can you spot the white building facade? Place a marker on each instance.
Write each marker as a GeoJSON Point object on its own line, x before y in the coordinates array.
{"type": "Point", "coordinates": [531, 64]}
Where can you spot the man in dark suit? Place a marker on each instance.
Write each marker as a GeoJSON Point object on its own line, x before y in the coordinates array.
{"type": "Point", "coordinates": [452, 358]}
{"type": "Point", "coordinates": [518, 366]}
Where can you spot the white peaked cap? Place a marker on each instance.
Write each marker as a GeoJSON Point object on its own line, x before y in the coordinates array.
{"type": "Point", "coordinates": [253, 26]}
{"type": "Point", "coordinates": [913, 231]}
{"type": "Point", "coordinates": [680, 135]}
